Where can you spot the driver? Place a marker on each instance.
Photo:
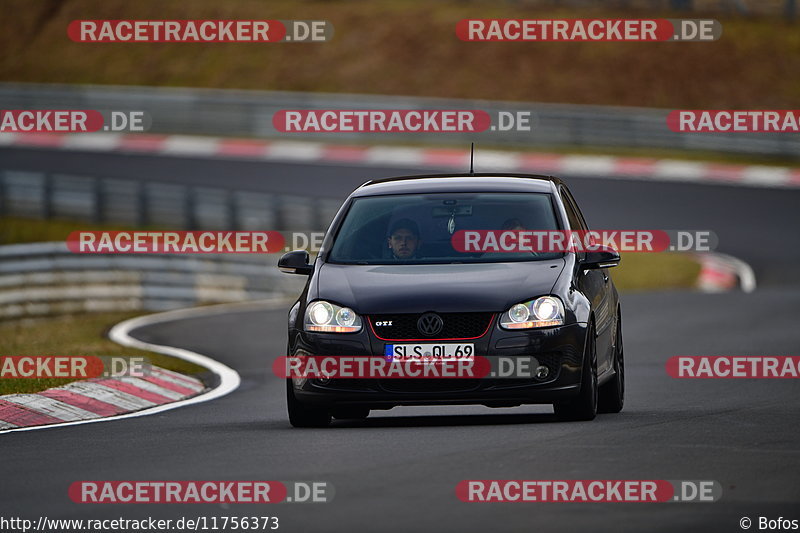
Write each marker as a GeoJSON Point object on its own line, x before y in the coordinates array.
{"type": "Point", "coordinates": [404, 239]}
{"type": "Point", "coordinates": [515, 224]}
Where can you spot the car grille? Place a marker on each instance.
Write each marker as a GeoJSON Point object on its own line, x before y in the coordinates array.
{"type": "Point", "coordinates": [456, 326]}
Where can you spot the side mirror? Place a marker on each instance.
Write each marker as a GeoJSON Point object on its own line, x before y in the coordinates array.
{"type": "Point", "coordinates": [295, 262]}
{"type": "Point", "coordinates": [603, 258]}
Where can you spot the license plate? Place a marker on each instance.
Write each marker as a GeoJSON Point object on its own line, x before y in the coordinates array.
{"type": "Point", "coordinates": [429, 353]}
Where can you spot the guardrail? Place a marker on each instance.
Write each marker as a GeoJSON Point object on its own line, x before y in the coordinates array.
{"type": "Point", "coordinates": [249, 114]}
{"type": "Point", "coordinates": [144, 203]}
{"type": "Point", "coordinates": [47, 279]}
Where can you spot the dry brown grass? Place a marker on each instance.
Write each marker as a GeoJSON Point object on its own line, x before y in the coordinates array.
{"type": "Point", "coordinates": [410, 47]}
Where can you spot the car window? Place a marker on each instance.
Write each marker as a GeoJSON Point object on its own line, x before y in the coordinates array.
{"type": "Point", "coordinates": [575, 207]}
{"type": "Point", "coordinates": [364, 235]}
{"type": "Point", "coordinates": [576, 222]}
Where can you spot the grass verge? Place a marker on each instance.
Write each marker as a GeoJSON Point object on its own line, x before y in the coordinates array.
{"type": "Point", "coordinates": [19, 230]}
{"type": "Point", "coordinates": [73, 335]}
{"type": "Point", "coordinates": [655, 271]}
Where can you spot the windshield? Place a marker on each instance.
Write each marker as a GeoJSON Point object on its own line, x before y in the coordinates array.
{"type": "Point", "coordinates": [419, 228]}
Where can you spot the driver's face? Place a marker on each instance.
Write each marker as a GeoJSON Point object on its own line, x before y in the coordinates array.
{"type": "Point", "coordinates": [403, 243]}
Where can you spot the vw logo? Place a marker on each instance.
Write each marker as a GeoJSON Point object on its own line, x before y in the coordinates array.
{"type": "Point", "coordinates": [430, 324]}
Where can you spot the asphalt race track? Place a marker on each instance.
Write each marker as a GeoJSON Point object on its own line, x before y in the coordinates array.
{"type": "Point", "coordinates": [397, 471]}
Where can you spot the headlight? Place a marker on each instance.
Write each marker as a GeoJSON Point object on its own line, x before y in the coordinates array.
{"type": "Point", "coordinates": [330, 318]}
{"type": "Point", "coordinates": [542, 312]}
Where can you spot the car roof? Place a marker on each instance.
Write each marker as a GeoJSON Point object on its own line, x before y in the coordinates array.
{"type": "Point", "coordinates": [483, 182]}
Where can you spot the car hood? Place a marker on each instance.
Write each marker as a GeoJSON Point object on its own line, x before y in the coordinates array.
{"type": "Point", "coordinates": [378, 289]}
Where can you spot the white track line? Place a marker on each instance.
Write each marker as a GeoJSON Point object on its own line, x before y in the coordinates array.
{"type": "Point", "coordinates": [120, 333]}
{"type": "Point", "coordinates": [727, 264]}
{"type": "Point", "coordinates": [747, 278]}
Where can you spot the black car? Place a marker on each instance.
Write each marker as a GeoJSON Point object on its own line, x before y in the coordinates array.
{"type": "Point", "coordinates": [387, 275]}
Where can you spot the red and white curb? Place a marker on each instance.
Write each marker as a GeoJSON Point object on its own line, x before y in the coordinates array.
{"type": "Point", "coordinates": [722, 273]}
{"type": "Point", "coordinates": [103, 399]}
{"type": "Point", "coordinates": [448, 159]}
{"type": "Point", "coordinates": [96, 398]}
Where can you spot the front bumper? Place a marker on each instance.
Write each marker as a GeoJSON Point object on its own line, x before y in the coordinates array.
{"type": "Point", "coordinates": [559, 348]}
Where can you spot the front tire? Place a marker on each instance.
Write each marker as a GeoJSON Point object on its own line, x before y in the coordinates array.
{"type": "Point", "coordinates": [612, 394]}
{"type": "Point", "coordinates": [584, 405]}
{"type": "Point", "coordinates": [301, 416]}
